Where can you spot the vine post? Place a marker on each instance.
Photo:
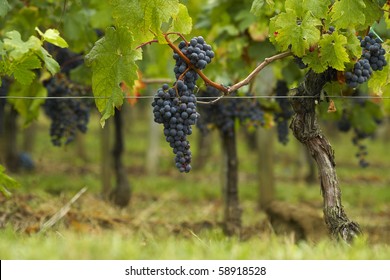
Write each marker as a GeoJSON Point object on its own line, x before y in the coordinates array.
{"type": "Point", "coordinates": [232, 211]}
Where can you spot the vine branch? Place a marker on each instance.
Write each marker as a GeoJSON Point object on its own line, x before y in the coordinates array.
{"type": "Point", "coordinates": [260, 67]}
{"type": "Point", "coordinates": [208, 82]}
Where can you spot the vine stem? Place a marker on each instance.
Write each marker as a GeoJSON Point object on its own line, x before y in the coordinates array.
{"type": "Point", "coordinates": [208, 82]}
{"type": "Point", "coordinates": [147, 43]}
{"type": "Point", "coordinates": [256, 71]}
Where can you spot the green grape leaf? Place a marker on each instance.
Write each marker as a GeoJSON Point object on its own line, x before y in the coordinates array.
{"type": "Point", "coordinates": [257, 7]}
{"type": "Point", "coordinates": [353, 44]}
{"type": "Point", "coordinates": [319, 9]}
{"type": "Point", "coordinates": [53, 36]}
{"type": "Point", "coordinates": [28, 108]}
{"type": "Point", "coordinates": [22, 70]}
{"type": "Point", "coordinates": [51, 65]}
{"type": "Point", "coordinates": [315, 61]}
{"type": "Point", "coordinates": [379, 79]}
{"type": "Point", "coordinates": [4, 7]}
{"type": "Point", "coordinates": [2, 50]}
{"type": "Point", "coordinates": [362, 119]}
{"type": "Point", "coordinates": [77, 28]}
{"type": "Point", "coordinates": [333, 52]}
{"type": "Point", "coordinates": [298, 6]}
{"type": "Point", "coordinates": [372, 13]}
{"type": "Point", "coordinates": [17, 47]}
{"type": "Point", "coordinates": [144, 17]}
{"type": "Point", "coordinates": [81, 75]}
{"type": "Point", "coordinates": [113, 61]}
{"type": "Point", "coordinates": [6, 183]}
{"type": "Point", "coordinates": [348, 13]}
{"type": "Point", "coordinates": [182, 22]}
{"type": "Point", "coordinates": [300, 35]}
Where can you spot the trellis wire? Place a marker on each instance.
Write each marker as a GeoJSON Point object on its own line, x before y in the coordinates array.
{"type": "Point", "coordinates": [199, 98]}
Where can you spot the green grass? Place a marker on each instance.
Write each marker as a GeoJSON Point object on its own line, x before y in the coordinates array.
{"type": "Point", "coordinates": [167, 208]}
{"type": "Point", "coordinates": [212, 245]}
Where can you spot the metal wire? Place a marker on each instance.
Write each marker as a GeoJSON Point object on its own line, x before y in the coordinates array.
{"type": "Point", "coordinates": [198, 97]}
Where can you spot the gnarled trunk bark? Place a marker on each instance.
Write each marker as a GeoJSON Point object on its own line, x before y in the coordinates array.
{"type": "Point", "coordinates": [306, 129]}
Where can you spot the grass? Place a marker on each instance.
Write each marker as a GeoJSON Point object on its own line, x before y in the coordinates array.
{"type": "Point", "coordinates": [176, 216]}
{"type": "Point", "coordinates": [211, 245]}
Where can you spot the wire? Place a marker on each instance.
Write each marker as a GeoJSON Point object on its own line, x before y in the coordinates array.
{"type": "Point", "coordinates": [199, 98]}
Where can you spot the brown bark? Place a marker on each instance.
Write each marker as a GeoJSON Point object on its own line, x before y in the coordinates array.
{"type": "Point", "coordinates": [306, 129]}
{"type": "Point", "coordinates": [266, 167]}
{"type": "Point", "coordinates": [106, 160]}
{"type": "Point", "coordinates": [121, 194]}
{"type": "Point", "coordinates": [9, 140]}
{"type": "Point", "coordinates": [203, 143]}
{"type": "Point", "coordinates": [232, 212]}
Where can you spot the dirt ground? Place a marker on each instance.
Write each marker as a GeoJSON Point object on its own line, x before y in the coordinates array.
{"type": "Point", "coordinates": [29, 213]}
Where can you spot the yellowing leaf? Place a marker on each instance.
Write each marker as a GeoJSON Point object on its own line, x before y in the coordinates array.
{"type": "Point", "coordinates": [295, 33]}
{"type": "Point", "coordinates": [182, 22]}
{"type": "Point", "coordinates": [314, 61]}
{"type": "Point", "coordinates": [17, 47]}
{"type": "Point", "coordinates": [53, 36]}
{"type": "Point", "coordinates": [353, 44]}
{"type": "Point", "coordinates": [333, 52]}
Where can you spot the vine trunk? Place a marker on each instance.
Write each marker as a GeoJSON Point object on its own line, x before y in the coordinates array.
{"type": "Point", "coordinates": [306, 129]}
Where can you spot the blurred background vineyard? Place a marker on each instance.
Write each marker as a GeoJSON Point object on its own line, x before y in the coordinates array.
{"type": "Point", "coordinates": [172, 215]}
{"type": "Point", "coordinates": [170, 208]}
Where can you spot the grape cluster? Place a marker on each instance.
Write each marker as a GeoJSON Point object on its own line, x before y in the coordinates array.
{"type": "Point", "coordinates": [225, 112]}
{"type": "Point", "coordinates": [372, 59]}
{"type": "Point", "coordinates": [177, 113]}
{"type": "Point", "coordinates": [175, 107]}
{"type": "Point", "coordinates": [361, 73]}
{"type": "Point", "coordinates": [344, 124]}
{"type": "Point", "coordinates": [283, 116]}
{"type": "Point", "coordinates": [67, 114]}
{"type": "Point", "coordinates": [373, 51]}
{"type": "Point", "coordinates": [362, 149]}
{"type": "Point", "coordinates": [67, 59]}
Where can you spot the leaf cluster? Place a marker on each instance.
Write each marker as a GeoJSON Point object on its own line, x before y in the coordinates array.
{"type": "Point", "coordinates": [113, 57]}
{"type": "Point", "coordinates": [20, 58]}
{"type": "Point", "coordinates": [303, 27]}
